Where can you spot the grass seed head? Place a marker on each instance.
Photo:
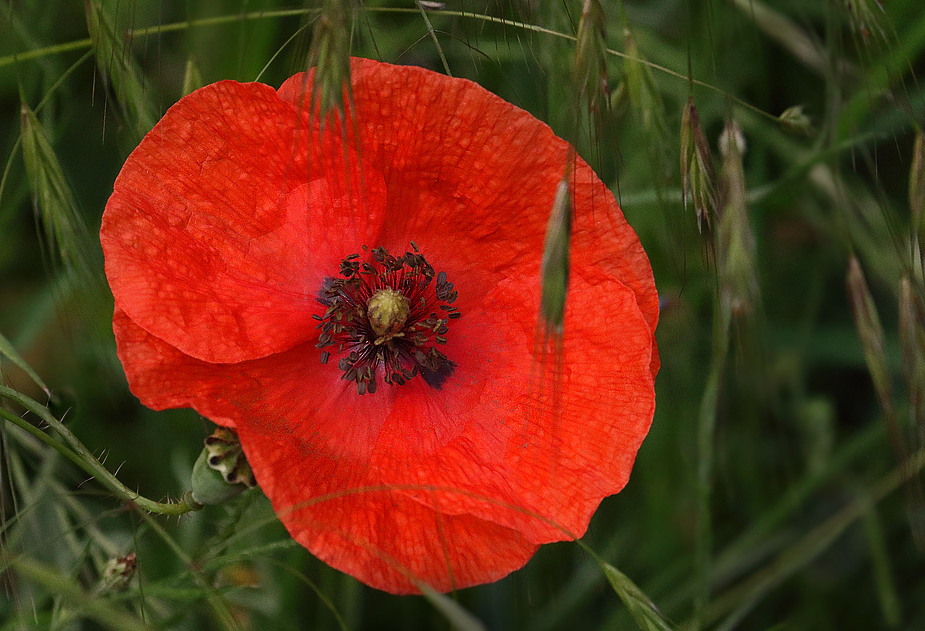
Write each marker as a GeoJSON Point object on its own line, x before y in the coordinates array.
{"type": "Point", "coordinates": [870, 332]}
{"type": "Point", "coordinates": [590, 70]}
{"type": "Point", "coordinates": [555, 265]}
{"type": "Point", "coordinates": [118, 66]}
{"type": "Point", "coordinates": [735, 245]}
{"type": "Point", "coordinates": [698, 181]}
{"type": "Point", "coordinates": [644, 93]}
{"type": "Point", "coordinates": [66, 235]}
{"type": "Point", "coordinates": [912, 352]}
{"type": "Point", "coordinates": [330, 56]}
{"type": "Point", "coordinates": [795, 121]}
{"type": "Point", "coordinates": [192, 77]}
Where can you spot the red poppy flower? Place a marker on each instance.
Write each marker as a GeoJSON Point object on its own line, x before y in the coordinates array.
{"type": "Point", "coordinates": [363, 311]}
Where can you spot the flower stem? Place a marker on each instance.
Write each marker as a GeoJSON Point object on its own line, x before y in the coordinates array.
{"type": "Point", "coordinates": [75, 451]}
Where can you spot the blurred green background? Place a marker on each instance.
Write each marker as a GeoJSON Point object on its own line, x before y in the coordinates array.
{"type": "Point", "coordinates": [767, 494]}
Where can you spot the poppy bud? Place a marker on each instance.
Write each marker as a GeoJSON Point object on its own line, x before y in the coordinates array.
{"type": "Point", "coordinates": [117, 574]}
{"type": "Point", "coordinates": [221, 472]}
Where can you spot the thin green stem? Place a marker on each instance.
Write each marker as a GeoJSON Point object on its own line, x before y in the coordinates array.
{"type": "Point", "coordinates": [46, 51]}
{"type": "Point", "coordinates": [433, 36]}
{"type": "Point", "coordinates": [76, 452]}
{"type": "Point", "coordinates": [703, 544]}
{"type": "Point", "coordinates": [151, 30]}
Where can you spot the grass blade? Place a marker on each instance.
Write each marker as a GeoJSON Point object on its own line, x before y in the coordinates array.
{"type": "Point", "coordinates": [8, 351]}
{"type": "Point", "coordinates": [461, 619]}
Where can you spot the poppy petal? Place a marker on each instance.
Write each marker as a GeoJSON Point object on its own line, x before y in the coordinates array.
{"type": "Point", "coordinates": [549, 436]}
{"type": "Point", "coordinates": [535, 458]}
{"type": "Point", "coordinates": [217, 234]}
{"type": "Point", "coordinates": [163, 378]}
{"type": "Point", "coordinates": [457, 156]}
{"type": "Point", "coordinates": [383, 538]}
{"type": "Point", "coordinates": [288, 393]}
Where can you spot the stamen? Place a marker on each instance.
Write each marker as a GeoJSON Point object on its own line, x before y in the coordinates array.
{"type": "Point", "coordinates": [377, 312]}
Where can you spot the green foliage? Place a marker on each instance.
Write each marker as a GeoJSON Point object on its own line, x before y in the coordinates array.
{"type": "Point", "coordinates": [781, 484]}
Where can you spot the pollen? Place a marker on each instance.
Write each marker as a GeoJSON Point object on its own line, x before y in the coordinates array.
{"type": "Point", "coordinates": [385, 317]}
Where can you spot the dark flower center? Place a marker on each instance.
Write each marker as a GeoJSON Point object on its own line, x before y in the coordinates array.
{"type": "Point", "coordinates": [386, 314]}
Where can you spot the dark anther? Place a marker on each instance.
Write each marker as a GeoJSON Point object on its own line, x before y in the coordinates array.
{"type": "Point", "coordinates": [436, 378]}
{"type": "Point", "coordinates": [381, 311]}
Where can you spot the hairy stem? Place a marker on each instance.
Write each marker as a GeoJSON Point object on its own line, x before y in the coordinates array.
{"type": "Point", "coordinates": [75, 451]}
